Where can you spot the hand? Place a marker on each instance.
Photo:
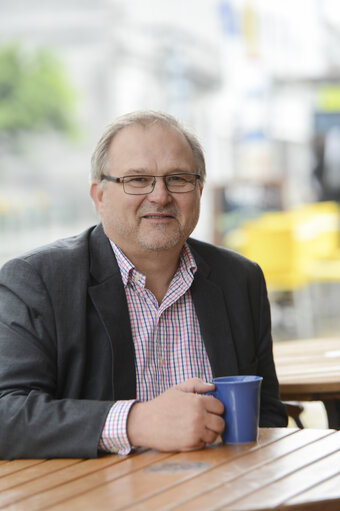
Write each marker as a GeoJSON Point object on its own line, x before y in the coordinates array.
{"type": "Point", "coordinates": [180, 419]}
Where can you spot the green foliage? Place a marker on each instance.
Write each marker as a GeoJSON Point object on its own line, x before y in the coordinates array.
{"type": "Point", "coordinates": [34, 92]}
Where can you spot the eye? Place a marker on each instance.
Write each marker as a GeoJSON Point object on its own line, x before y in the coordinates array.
{"type": "Point", "coordinates": [178, 179]}
{"type": "Point", "coordinates": [138, 180]}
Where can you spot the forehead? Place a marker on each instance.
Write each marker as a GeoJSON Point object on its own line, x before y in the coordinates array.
{"type": "Point", "coordinates": [155, 145]}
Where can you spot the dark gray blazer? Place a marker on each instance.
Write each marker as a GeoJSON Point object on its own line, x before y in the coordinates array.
{"type": "Point", "coordinates": [66, 349]}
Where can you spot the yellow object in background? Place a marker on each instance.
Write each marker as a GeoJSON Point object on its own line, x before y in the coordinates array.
{"type": "Point", "coordinates": [328, 98]}
{"type": "Point", "coordinates": [288, 244]}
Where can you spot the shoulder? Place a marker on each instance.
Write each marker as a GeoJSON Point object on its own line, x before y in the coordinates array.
{"type": "Point", "coordinates": [214, 254]}
{"type": "Point", "coordinates": [68, 248]}
{"type": "Point", "coordinates": [56, 258]}
{"type": "Point", "coordinates": [227, 268]}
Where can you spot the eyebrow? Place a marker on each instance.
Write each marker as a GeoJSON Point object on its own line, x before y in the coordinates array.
{"type": "Point", "coordinates": [132, 172]}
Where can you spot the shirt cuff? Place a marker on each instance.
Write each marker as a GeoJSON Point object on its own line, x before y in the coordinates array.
{"type": "Point", "coordinates": [114, 437]}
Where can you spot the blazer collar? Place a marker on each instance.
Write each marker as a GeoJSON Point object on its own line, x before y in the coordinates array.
{"type": "Point", "coordinates": [102, 260]}
{"type": "Point", "coordinates": [212, 313]}
{"type": "Point", "coordinates": [108, 296]}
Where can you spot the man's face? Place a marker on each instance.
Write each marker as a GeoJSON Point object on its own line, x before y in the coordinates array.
{"type": "Point", "coordinates": [159, 220]}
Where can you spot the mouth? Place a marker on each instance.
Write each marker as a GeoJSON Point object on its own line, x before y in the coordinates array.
{"type": "Point", "coordinates": [158, 217]}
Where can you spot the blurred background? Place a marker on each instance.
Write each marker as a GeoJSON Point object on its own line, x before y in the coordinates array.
{"type": "Point", "coordinates": [257, 80]}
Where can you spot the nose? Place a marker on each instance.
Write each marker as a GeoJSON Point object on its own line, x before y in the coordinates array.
{"type": "Point", "coordinates": [160, 193]}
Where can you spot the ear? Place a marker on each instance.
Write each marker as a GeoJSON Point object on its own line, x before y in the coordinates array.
{"type": "Point", "coordinates": [96, 193]}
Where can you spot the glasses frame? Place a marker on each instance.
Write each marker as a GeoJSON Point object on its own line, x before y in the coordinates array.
{"type": "Point", "coordinates": [122, 180]}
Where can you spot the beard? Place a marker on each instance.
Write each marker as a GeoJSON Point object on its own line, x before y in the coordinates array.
{"type": "Point", "coordinates": [160, 236]}
{"type": "Point", "coordinates": [151, 236]}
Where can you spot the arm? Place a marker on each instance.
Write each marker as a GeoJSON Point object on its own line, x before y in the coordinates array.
{"type": "Point", "coordinates": [180, 419]}
{"type": "Point", "coordinates": [273, 412]}
{"type": "Point", "coordinates": [35, 422]}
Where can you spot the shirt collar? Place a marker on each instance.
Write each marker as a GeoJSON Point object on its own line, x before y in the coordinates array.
{"type": "Point", "coordinates": [187, 265]}
{"type": "Point", "coordinates": [125, 266]}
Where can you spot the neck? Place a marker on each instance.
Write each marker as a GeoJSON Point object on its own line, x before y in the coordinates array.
{"type": "Point", "coordinates": [159, 267]}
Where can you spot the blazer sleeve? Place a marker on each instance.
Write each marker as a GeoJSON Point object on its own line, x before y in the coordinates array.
{"type": "Point", "coordinates": [272, 412]}
{"type": "Point", "coordinates": [33, 422]}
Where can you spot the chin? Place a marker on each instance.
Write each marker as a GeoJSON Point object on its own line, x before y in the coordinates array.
{"type": "Point", "coordinates": [158, 243]}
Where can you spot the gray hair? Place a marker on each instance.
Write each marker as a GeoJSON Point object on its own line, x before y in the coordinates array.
{"type": "Point", "coordinates": [99, 158]}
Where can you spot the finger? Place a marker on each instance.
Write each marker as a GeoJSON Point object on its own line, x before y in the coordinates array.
{"type": "Point", "coordinates": [198, 445]}
{"type": "Point", "coordinates": [196, 385]}
{"type": "Point", "coordinates": [201, 387]}
{"type": "Point", "coordinates": [213, 405]}
{"type": "Point", "coordinates": [215, 423]}
{"type": "Point", "coordinates": [209, 437]}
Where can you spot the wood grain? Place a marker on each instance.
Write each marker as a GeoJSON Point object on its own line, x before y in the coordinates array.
{"type": "Point", "coordinates": [287, 469]}
{"type": "Point", "coordinates": [307, 367]}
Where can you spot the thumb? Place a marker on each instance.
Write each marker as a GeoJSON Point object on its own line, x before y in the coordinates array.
{"type": "Point", "coordinates": [196, 385]}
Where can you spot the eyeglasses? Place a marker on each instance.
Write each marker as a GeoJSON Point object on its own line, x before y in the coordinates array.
{"type": "Point", "coordinates": [140, 185]}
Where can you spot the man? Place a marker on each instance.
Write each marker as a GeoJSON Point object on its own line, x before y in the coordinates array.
{"type": "Point", "coordinates": [108, 339]}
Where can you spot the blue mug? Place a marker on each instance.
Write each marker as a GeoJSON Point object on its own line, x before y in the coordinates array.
{"type": "Point", "coordinates": [240, 396]}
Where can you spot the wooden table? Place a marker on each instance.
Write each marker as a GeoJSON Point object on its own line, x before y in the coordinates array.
{"type": "Point", "coordinates": [309, 370]}
{"type": "Point", "coordinates": [287, 469]}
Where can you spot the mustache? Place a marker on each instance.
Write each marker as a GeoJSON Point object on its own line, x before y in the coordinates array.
{"type": "Point", "coordinates": [171, 211]}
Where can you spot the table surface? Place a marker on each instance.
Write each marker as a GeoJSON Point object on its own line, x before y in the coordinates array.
{"type": "Point", "coordinates": [286, 469]}
{"type": "Point", "coordinates": [308, 366]}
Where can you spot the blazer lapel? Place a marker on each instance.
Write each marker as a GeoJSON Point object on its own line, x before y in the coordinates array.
{"type": "Point", "coordinates": [108, 296]}
{"type": "Point", "coordinates": [214, 322]}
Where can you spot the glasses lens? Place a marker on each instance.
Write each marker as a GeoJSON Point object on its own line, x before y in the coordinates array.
{"type": "Point", "coordinates": [138, 184]}
{"type": "Point", "coordinates": [181, 182]}
{"type": "Point", "coordinates": [176, 183]}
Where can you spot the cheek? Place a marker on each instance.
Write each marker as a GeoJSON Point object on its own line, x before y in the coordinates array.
{"type": "Point", "coordinates": [125, 207]}
{"type": "Point", "coordinates": [132, 203]}
{"type": "Point", "coordinates": [190, 206]}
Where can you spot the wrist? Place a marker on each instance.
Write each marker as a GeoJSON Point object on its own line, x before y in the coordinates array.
{"type": "Point", "coordinates": [136, 426]}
